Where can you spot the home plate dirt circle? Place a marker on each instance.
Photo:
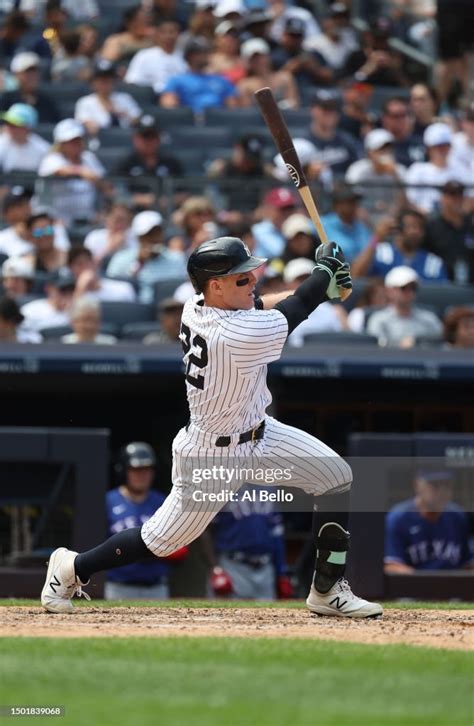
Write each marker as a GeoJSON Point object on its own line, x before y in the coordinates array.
{"type": "Point", "coordinates": [453, 629]}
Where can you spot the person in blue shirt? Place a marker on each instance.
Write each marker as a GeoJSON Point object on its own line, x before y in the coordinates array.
{"type": "Point", "coordinates": [428, 532]}
{"type": "Point", "coordinates": [197, 88]}
{"type": "Point", "coordinates": [131, 505]}
{"type": "Point", "coordinates": [247, 535]}
{"type": "Point", "coordinates": [343, 222]}
{"type": "Point", "coordinates": [381, 256]}
{"type": "Point", "coordinates": [277, 205]}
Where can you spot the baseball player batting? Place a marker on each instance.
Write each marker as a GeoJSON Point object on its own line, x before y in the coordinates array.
{"type": "Point", "coordinates": [229, 336]}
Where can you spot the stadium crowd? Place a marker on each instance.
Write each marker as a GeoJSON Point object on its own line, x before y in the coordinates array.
{"type": "Point", "coordinates": [125, 142]}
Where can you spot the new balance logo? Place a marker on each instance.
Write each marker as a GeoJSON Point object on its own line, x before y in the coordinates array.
{"type": "Point", "coordinates": [54, 584]}
{"type": "Point", "coordinates": [338, 603]}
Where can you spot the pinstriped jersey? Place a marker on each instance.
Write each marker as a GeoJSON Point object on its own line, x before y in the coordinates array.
{"type": "Point", "coordinates": [226, 353]}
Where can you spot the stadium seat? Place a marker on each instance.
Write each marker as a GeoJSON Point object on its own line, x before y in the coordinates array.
{"type": "Point", "coordinates": [117, 137]}
{"type": "Point", "coordinates": [236, 119]}
{"type": "Point", "coordinates": [441, 296]}
{"type": "Point", "coordinates": [45, 131]}
{"type": "Point", "coordinates": [342, 338]}
{"type": "Point", "coordinates": [137, 331]}
{"type": "Point", "coordinates": [166, 288]}
{"type": "Point", "coordinates": [143, 95]}
{"type": "Point", "coordinates": [111, 157]}
{"type": "Point", "coordinates": [200, 137]}
{"type": "Point", "coordinates": [122, 313]}
{"type": "Point", "coordinates": [170, 118]}
{"type": "Point", "coordinates": [382, 93]}
{"type": "Point", "coordinates": [57, 331]}
{"type": "Point", "coordinates": [66, 90]}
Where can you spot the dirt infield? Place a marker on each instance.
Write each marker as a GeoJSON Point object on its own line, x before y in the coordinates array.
{"type": "Point", "coordinates": [452, 629]}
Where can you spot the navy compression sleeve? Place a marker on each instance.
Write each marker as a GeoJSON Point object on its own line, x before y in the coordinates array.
{"type": "Point", "coordinates": [305, 299]}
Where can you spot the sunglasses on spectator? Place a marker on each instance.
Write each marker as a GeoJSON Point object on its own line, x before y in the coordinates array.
{"type": "Point", "coordinates": [410, 287]}
{"type": "Point", "coordinates": [43, 231]}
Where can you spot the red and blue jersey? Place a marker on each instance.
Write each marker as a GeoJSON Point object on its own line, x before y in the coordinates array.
{"type": "Point", "coordinates": [413, 540]}
{"type": "Point", "coordinates": [123, 513]}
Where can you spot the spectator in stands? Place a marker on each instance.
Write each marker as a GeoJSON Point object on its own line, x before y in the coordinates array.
{"type": "Point", "coordinates": [169, 316]}
{"type": "Point", "coordinates": [20, 148]}
{"type": "Point", "coordinates": [462, 149]}
{"type": "Point", "coordinates": [153, 261]}
{"type": "Point", "coordinates": [334, 44]}
{"type": "Point", "coordinates": [381, 256]}
{"type": "Point", "coordinates": [194, 220]}
{"type": "Point", "coordinates": [85, 10]}
{"type": "Point", "coordinates": [147, 160]}
{"type": "Point", "coordinates": [326, 318]}
{"type": "Point", "coordinates": [435, 172]}
{"type": "Point", "coordinates": [201, 24]}
{"type": "Point", "coordinates": [450, 234]}
{"type": "Point", "coordinates": [26, 66]}
{"type": "Point", "coordinates": [314, 169]}
{"type": "Point", "coordinates": [243, 174]}
{"type": "Point", "coordinates": [11, 320]}
{"type": "Point", "coordinates": [255, 53]}
{"type": "Point", "coordinates": [77, 173]}
{"type": "Point", "coordinates": [401, 323]}
{"type": "Point", "coordinates": [89, 282]}
{"type": "Point", "coordinates": [397, 119]}
{"type": "Point", "coordinates": [380, 171]}
{"type": "Point", "coordinates": [225, 58]}
{"type": "Point", "coordinates": [301, 238]}
{"type": "Point", "coordinates": [89, 41]}
{"type": "Point", "coordinates": [376, 62]}
{"type": "Point", "coordinates": [356, 119]}
{"type": "Point", "coordinates": [424, 107]}
{"type": "Point", "coordinates": [17, 277]}
{"type": "Point", "coordinates": [337, 149]}
{"type": "Point", "coordinates": [85, 322]}
{"type": "Point", "coordinates": [115, 236]}
{"type": "Point", "coordinates": [69, 63]}
{"type": "Point", "coordinates": [54, 309]}
{"type": "Point", "coordinates": [54, 23]}
{"type": "Point", "coordinates": [106, 107]}
{"type": "Point", "coordinates": [197, 88]}
{"type": "Point", "coordinates": [17, 35]}
{"type": "Point", "coordinates": [166, 10]}
{"type": "Point", "coordinates": [134, 35]}
{"type": "Point", "coordinates": [458, 327]}
{"type": "Point", "coordinates": [281, 10]}
{"type": "Point", "coordinates": [344, 224]}
{"type": "Point", "coordinates": [429, 531]}
{"type": "Point", "coordinates": [156, 65]}
{"type": "Point", "coordinates": [455, 23]}
{"type": "Point", "coordinates": [45, 256]}
{"type": "Point", "coordinates": [277, 205]}
{"type": "Point", "coordinates": [374, 295]}
{"type": "Point", "coordinates": [14, 239]}
{"type": "Point", "coordinates": [130, 505]}
{"type": "Point", "coordinates": [306, 67]}
{"type": "Point", "coordinates": [249, 559]}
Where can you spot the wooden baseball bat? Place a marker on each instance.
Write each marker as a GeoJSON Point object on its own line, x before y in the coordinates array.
{"type": "Point", "coordinates": [281, 136]}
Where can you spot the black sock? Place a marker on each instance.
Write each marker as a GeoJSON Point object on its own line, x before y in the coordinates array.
{"type": "Point", "coordinates": [122, 548]}
{"type": "Point", "coordinates": [333, 543]}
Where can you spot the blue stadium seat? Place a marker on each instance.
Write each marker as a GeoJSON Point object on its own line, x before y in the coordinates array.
{"type": "Point", "coordinates": [122, 313]}
{"type": "Point", "coordinates": [55, 332]}
{"type": "Point", "coordinates": [201, 137]}
{"type": "Point", "coordinates": [170, 118]}
{"type": "Point", "coordinates": [441, 296]}
{"type": "Point", "coordinates": [115, 137]}
{"type": "Point", "coordinates": [111, 157]}
{"type": "Point", "coordinates": [137, 331]}
{"type": "Point", "coordinates": [166, 288]}
{"type": "Point", "coordinates": [343, 338]}
{"type": "Point", "coordinates": [143, 95]}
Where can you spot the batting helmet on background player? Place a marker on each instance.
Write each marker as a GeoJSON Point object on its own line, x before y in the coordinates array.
{"type": "Point", "coordinates": [218, 258]}
{"type": "Point", "coordinates": [135, 455]}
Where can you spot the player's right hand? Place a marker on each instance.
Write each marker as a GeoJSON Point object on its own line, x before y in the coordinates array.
{"type": "Point", "coordinates": [221, 582]}
{"type": "Point", "coordinates": [330, 258]}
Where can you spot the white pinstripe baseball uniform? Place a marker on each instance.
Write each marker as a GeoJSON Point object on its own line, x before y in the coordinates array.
{"type": "Point", "coordinates": [226, 357]}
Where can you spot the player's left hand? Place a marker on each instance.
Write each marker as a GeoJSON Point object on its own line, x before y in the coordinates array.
{"type": "Point", "coordinates": [330, 257]}
{"type": "Point", "coordinates": [284, 588]}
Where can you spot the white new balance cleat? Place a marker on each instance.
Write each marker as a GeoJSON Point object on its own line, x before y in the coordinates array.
{"type": "Point", "coordinates": [61, 582]}
{"type": "Point", "coordinates": [341, 602]}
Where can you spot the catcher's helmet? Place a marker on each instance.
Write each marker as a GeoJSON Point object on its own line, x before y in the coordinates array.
{"type": "Point", "coordinates": [135, 455]}
{"type": "Point", "coordinates": [218, 258]}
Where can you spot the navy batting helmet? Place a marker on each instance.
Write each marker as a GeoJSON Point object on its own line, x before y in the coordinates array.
{"type": "Point", "coordinates": [218, 258]}
{"type": "Point", "coordinates": [135, 455]}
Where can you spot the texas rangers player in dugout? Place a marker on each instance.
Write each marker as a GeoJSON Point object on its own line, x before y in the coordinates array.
{"type": "Point", "coordinates": [229, 336]}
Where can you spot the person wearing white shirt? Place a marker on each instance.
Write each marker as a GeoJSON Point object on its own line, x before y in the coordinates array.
{"type": "Point", "coordinates": [155, 66]}
{"type": "Point", "coordinates": [462, 150]}
{"type": "Point", "coordinates": [53, 310]}
{"type": "Point", "coordinates": [427, 177]}
{"type": "Point", "coordinates": [85, 322]}
{"type": "Point", "coordinates": [11, 320]}
{"type": "Point", "coordinates": [20, 148]}
{"type": "Point", "coordinates": [105, 107]}
{"type": "Point", "coordinates": [77, 173]}
{"type": "Point", "coordinates": [333, 44]}
{"type": "Point", "coordinates": [116, 235]}
{"type": "Point", "coordinates": [88, 281]}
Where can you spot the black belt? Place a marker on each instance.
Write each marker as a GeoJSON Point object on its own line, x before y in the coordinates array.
{"type": "Point", "coordinates": [253, 435]}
